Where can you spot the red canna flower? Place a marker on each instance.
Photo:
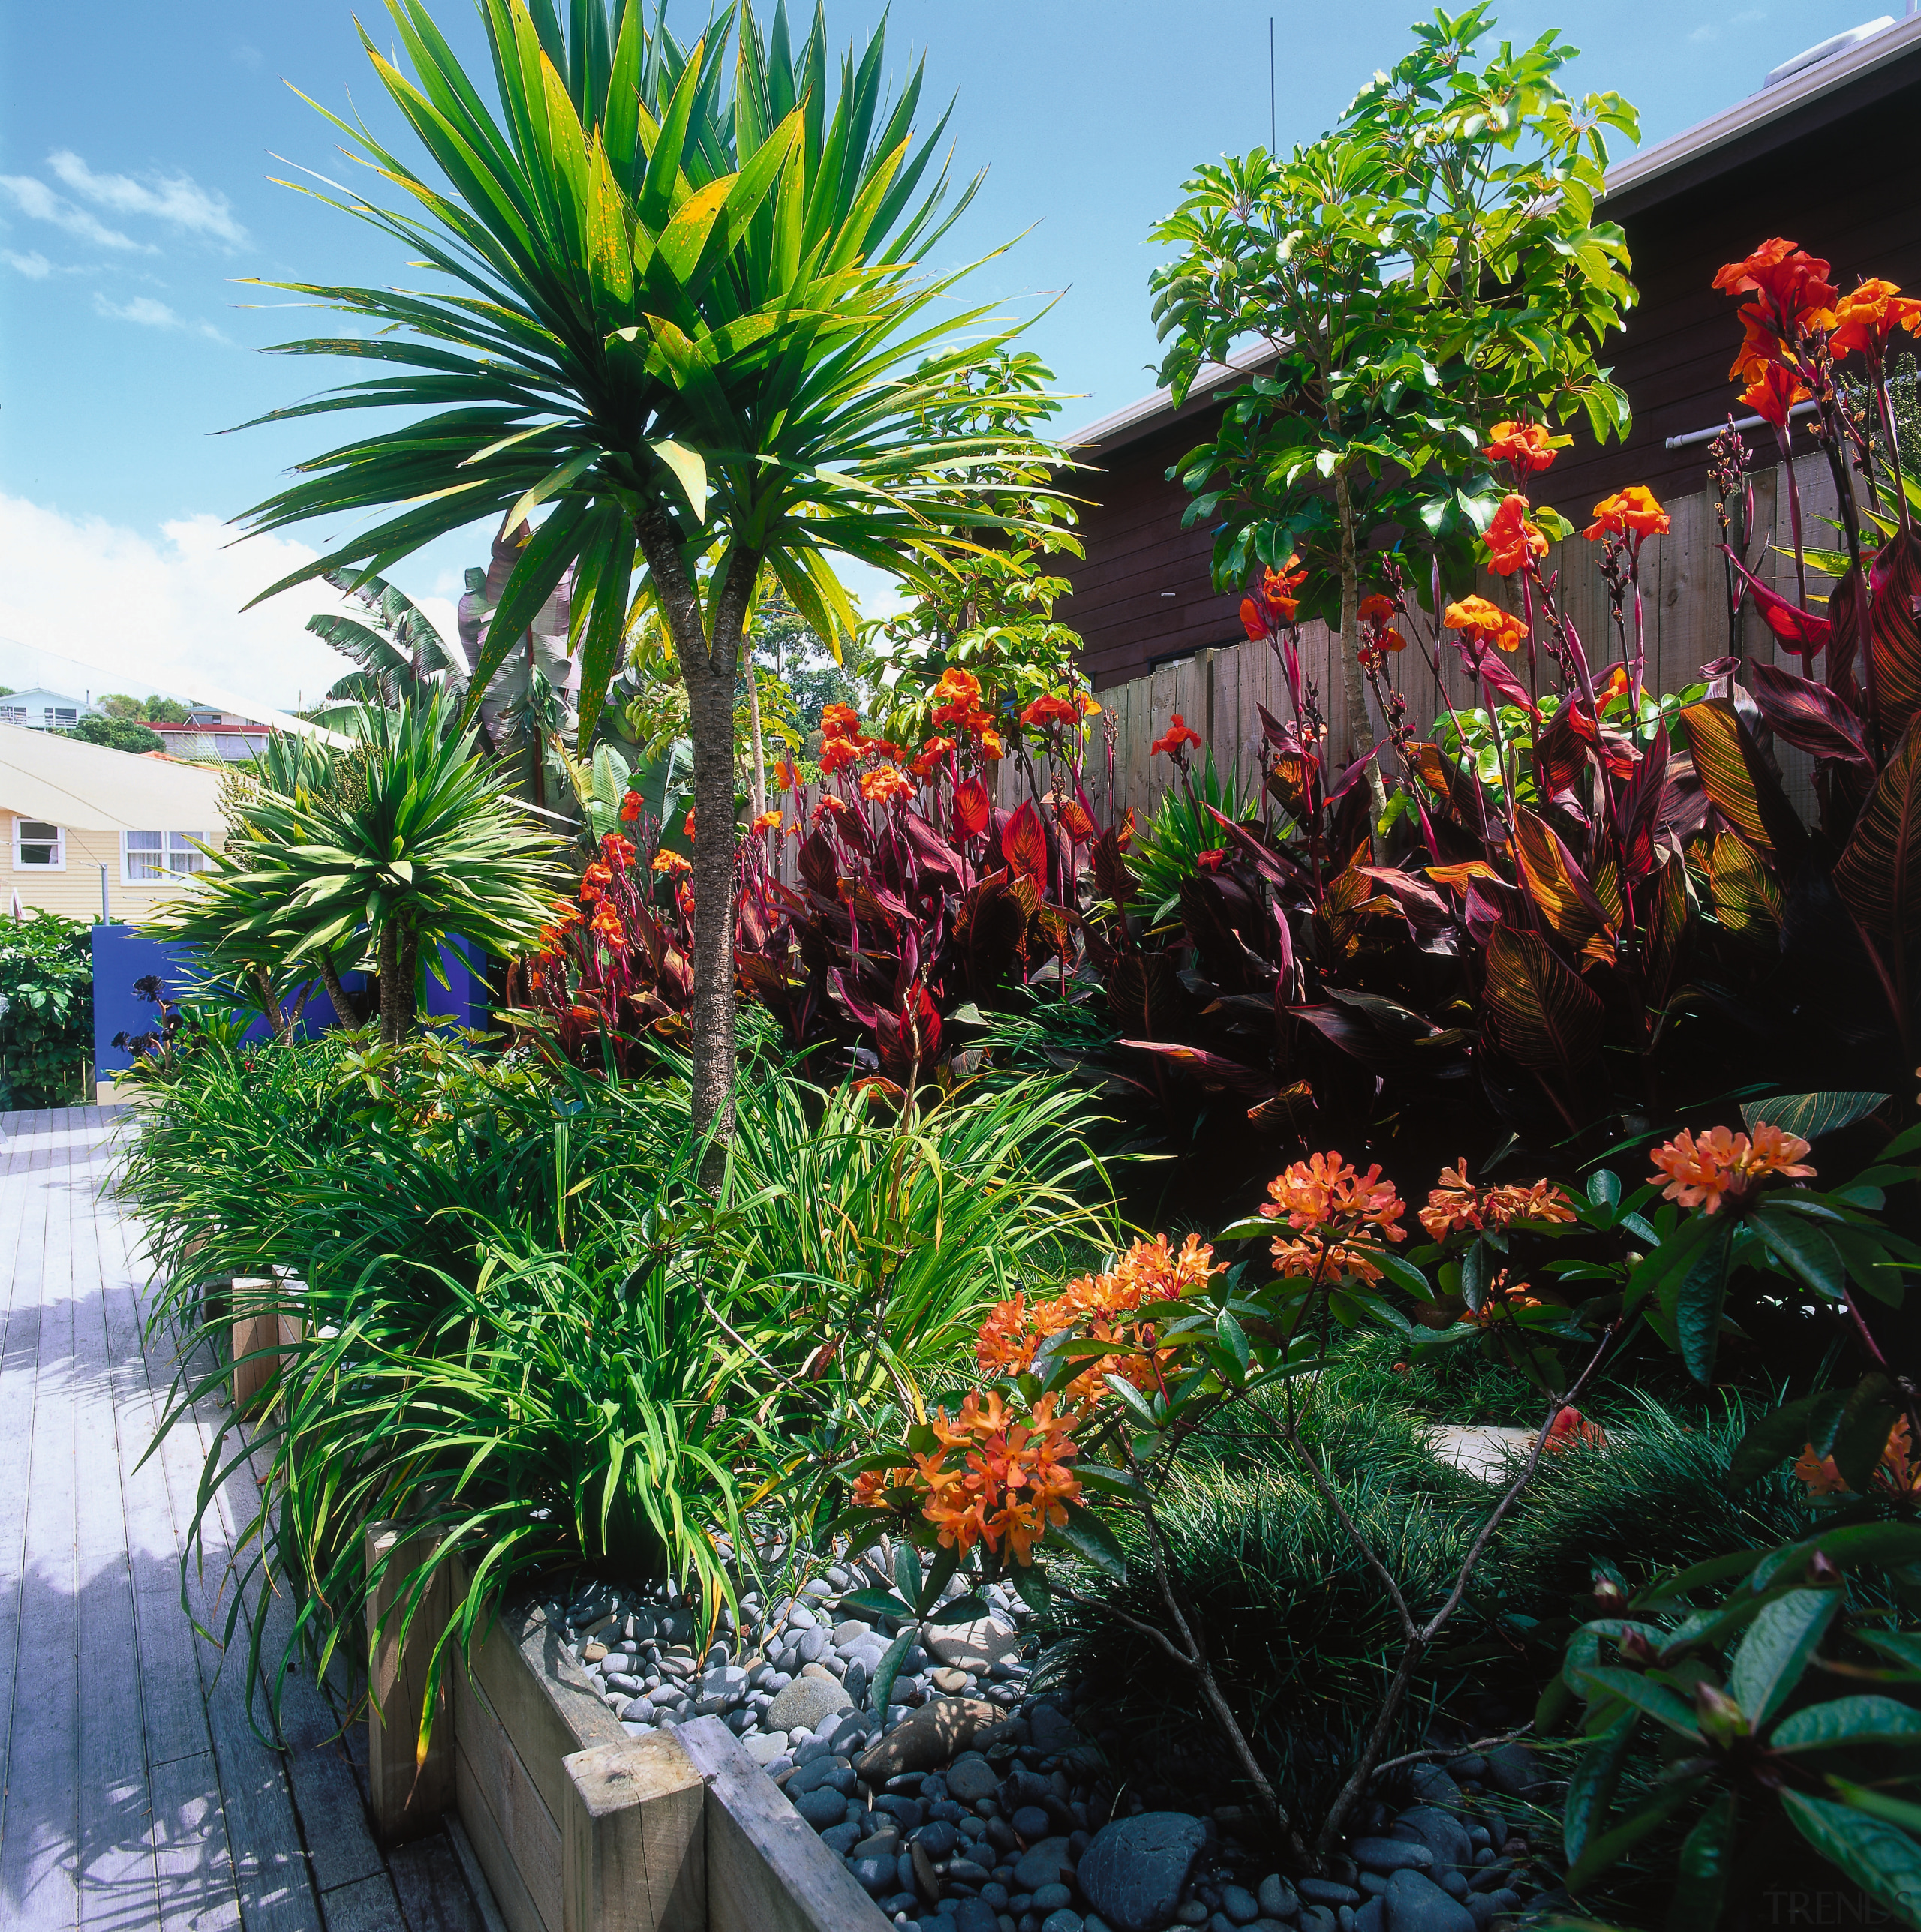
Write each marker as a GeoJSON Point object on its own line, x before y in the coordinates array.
{"type": "Point", "coordinates": [593, 881]}
{"type": "Point", "coordinates": [1211, 859]}
{"type": "Point", "coordinates": [1511, 539]}
{"type": "Point", "coordinates": [885, 782]}
{"type": "Point", "coordinates": [630, 807]}
{"type": "Point", "coordinates": [958, 687]}
{"type": "Point", "coordinates": [1524, 447]}
{"type": "Point", "coordinates": [1773, 393]}
{"type": "Point", "coordinates": [1630, 512]}
{"type": "Point", "coordinates": [1049, 710]}
{"type": "Point", "coordinates": [932, 753]}
{"type": "Point", "coordinates": [687, 830]}
{"type": "Point", "coordinates": [972, 808]}
{"type": "Point", "coordinates": [786, 776]}
{"type": "Point", "coordinates": [1486, 623]}
{"type": "Point", "coordinates": [837, 754]}
{"type": "Point", "coordinates": [1178, 736]}
{"type": "Point", "coordinates": [1792, 284]}
{"type": "Point", "coordinates": [991, 746]}
{"type": "Point", "coordinates": [1275, 601]}
{"type": "Point", "coordinates": [839, 721]}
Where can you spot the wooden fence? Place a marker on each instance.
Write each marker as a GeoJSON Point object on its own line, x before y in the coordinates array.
{"type": "Point", "coordinates": [1684, 613]}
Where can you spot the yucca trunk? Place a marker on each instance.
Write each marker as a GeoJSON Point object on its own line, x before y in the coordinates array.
{"type": "Point", "coordinates": [345, 1011]}
{"type": "Point", "coordinates": [391, 1023]}
{"type": "Point", "coordinates": [708, 665]}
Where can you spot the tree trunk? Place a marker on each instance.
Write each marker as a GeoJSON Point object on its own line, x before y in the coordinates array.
{"type": "Point", "coordinates": [390, 959]}
{"type": "Point", "coordinates": [707, 669]}
{"type": "Point", "coordinates": [757, 776]}
{"type": "Point", "coordinates": [345, 1011]}
{"type": "Point", "coordinates": [270, 1007]}
{"type": "Point", "coordinates": [1361, 731]}
{"type": "Point", "coordinates": [410, 978]}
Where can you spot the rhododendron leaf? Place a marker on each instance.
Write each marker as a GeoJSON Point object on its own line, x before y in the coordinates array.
{"type": "Point", "coordinates": [1108, 1481]}
{"type": "Point", "coordinates": [907, 1572]}
{"type": "Point", "coordinates": [1804, 1252]}
{"type": "Point", "coordinates": [1706, 1864]}
{"type": "Point", "coordinates": [875, 1604]}
{"type": "Point", "coordinates": [1783, 1432]}
{"type": "Point", "coordinates": [1132, 1399]}
{"type": "Point", "coordinates": [966, 1609]}
{"type": "Point", "coordinates": [1234, 1337]}
{"type": "Point", "coordinates": [1477, 1271]}
{"type": "Point", "coordinates": [1030, 1584]}
{"type": "Point", "coordinates": [1696, 1308]}
{"type": "Point", "coordinates": [1663, 1705]}
{"type": "Point", "coordinates": [1842, 1722]}
{"type": "Point", "coordinates": [1604, 1187]}
{"type": "Point", "coordinates": [888, 1669]}
{"type": "Point", "coordinates": [1591, 1786]}
{"type": "Point", "coordinates": [1879, 1857]}
{"type": "Point", "coordinates": [1777, 1650]}
{"type": "Point", "coordinates": [1607, 1851]}
{"type": "Point", "coordinates": [1085, 1532]}
{"type": "Point", "coordinates": [1403, 1273]}
{"type": "Point", "coordinates": [1685, 1582]}
{"type": "Point", "coordinates": [945, 1562]}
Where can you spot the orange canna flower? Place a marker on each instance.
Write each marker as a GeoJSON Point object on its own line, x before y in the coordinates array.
{"type": "Point", "coordinates": [828, 803]}
{"type": "Point", "coordinates": [1049, 710]}
{"type": "Point", "coordinates": [990, 745]}
{"type": "Point", "coordinates": [1773, 393]}
{"type": "Point", "coordinates": [1485, 622]}
{"type": "Point", "coordinates": [1630, 512]}
{"type": "Point", "coordinates": [687, 830]}
{"type": "Point", "coordinates": [1275, 601]}
{"type": "Point", "coordinates": [1511, 539]}
{"type": "Point", "coordinates": [1524, 447]}
{"type": "Point", "coordinates": [594, 881]}
{"type": "Point", "coordinates": [786, 776]}
{"type": "Point", "coordinates": [1792, 284]}
{"type": "Point", "coordinates": [613, 847]}
{"type": "Point", "coordinates": [769, 820]}
{"type": "Point", "coordinates": [1178, 735]}
{"type": "Point", "coordinates": [1089, 709]}
{"type": "Point", "coordinates": [630, 807]}
{"type": "Point", "coordinates": [837, 754]}
{"type": "Point", "coordinates": [958, 687]}
{"type": "Point", "coordinates": [1724, 1167]}
{"type": "Point", "coordinates": [933, 753]}
{"type": "Point", "coordinates": [1866, 317]}
{"type": "Point", "coordinates": [606, 925]}
{"type": "Point", "coordinates": [839, 721]}
{"type": "Point", "coordinates": [885, 782]}
{"type": "Point", "coordinates": [665, 861]}
{"type": "Point", "coordinates": [1377, 610]}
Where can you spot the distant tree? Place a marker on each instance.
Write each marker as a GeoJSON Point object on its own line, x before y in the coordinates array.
{"type": "Point", "coordinates": [119, 734]}
{"type": "Point", "coordinates": [150, 710]}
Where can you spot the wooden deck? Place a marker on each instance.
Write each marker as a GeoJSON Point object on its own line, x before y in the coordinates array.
{"type": "Point", "coordinates": [136, 1795]}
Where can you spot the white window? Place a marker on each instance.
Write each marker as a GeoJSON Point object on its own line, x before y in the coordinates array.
{"type": "Point", "coordinates": [233, 745]}
{"type": "Point", "coordinates": [39, 846]}
{"type": "Point", "coordinates": [146, 856]}
{"type": "Point", "coordinates": [12, 714]}
{"type": "Point", "coordinates": [59, 719]}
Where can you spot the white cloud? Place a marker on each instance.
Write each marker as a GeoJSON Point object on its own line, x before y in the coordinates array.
{"type": "Point", "coordinates": [149, 314]}
{"type": "Point", "coordinates": [142, 613]}
{"type": "Point", "coordinates": [35, 266]}
{"type": "Point", "coordinates": [176, 199]}
{"type": "Point", "coordinates": [38, 202]}
{"type": "Point", "coordinates": [1712, 30]}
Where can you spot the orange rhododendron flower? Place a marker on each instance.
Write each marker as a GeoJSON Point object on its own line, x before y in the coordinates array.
{"type": "Point", "coordinates": [769, 820]}
{"type": "Point", "coordinates": [884, 783]}
{"type": "Point", "coordinates": [885, 1490]}
{"type": "Point", "coordinates": [1524, 447]}
{"type": "Point", "coordinates": [1773, 393]}
{"type": "Point", "coordinates": [1012, 1482]}
{"type": "Point", "coordinates": [1458, 1206]}
{"type": "Point", "coordinates": [1486, 623]}
{"type": "Point", "coordinates": [1338, 1214]}
{"type": "Point", "coordinates": [1722, 1166]}
{"type": "Point", "coordinates": [1572, 1430]}
{"type": "Point", "coordinates": [1050, 710]}
{"type": "Point", "coordinates": [1897, 1475]}
{"type": "Point", "coordinates": [1866, 317]}
{"type": "Point", "coordinates": [1178, 735]}
{"type": "Point", "coordinates": [1511, 539]}
{"type": "Point", "coordinates": [664, 860]}
{"type": "Point", "coordinates": [1632, 511]}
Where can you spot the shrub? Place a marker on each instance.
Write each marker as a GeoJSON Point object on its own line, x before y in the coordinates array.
{"type": "Point", "coordinates": [45, 1014]}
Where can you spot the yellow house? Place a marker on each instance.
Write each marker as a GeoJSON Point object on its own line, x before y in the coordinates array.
{"type": "Point", "coordinates": [92, 833]}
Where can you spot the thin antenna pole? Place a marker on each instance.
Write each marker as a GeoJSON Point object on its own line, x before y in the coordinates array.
{"type": "Point", "coordinates": [1273, 139]}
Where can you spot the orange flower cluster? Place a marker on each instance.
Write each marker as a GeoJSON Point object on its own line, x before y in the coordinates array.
{"type": "Point", "coordinates": [958, 695]}
{"type": "Point", "coordinates": [1524, 447]}
{"type": "Point", "coordinates": [1377, 634]}
{"type": "Point", "coordinates": [1049, 710]}
{"type": "Point", "coordinates": [1010, 1483]}
{"type": "Point", "coordinates": [594, 881]}
{"type": "Point", "coordinates": [606, 925]}
{"type": "Point", "coordinates": [664, 860]}
{"type": "Point", "coordinates": [1867, 316]}
{"type": "Point", "coordinates": [1100, 1305]}
{"type": "Point", "coordinates": [1275, 602]}
{"type": "Point", "coordinates": [1573, 1430]}
{"type": "Point", "coordinates": [1723, 1167]}
{"type": "Point", "coordinates": [1512, 541]}
{"type": "Point", "coordinates": [1178, 736]}
{"type": "Point", "coordinates": [932, 752]}
{"type": "Point", "coordinates": [1793, 296]}
{"type": "Point", "coordinates": [1457, 1206]}
{"type": "Point", "coordinates": [1486, 623]}
{"type": "Point", "coordinates": [885, 783]}
{"type": "Point", "coordinates": [630, 807]}
{"type": "Point", "coordinates": [1630, 513]}
{"type": "Point", "coordinates": [1339, 1217]}
{"type": "Point", "coordinates": [1502, 1304]}
{"type": "Point", "coordinates": [770, 820]}
{"type": "Point", "coordinates": [1898, 1474]}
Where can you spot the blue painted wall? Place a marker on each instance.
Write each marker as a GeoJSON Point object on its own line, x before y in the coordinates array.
{"type": "Point", "coordinates": [120, 955]}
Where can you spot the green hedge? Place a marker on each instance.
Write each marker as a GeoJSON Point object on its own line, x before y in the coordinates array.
{"type": "Point", "coordinates": [46, 1027]}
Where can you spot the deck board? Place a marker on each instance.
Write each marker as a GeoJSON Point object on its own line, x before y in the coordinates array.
{"type": "Point", "coordinates": [136, 1793]}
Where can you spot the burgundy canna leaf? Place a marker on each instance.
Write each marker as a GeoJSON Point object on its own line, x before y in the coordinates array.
{"type": "Point", "coordinates": [1024, 841]}
{"type": "Point", "coordinates": [1803, 632]}
{"type": "Point", "coordinates": [1895, 580]}
{"type": "Point", "coordinates": [1808, 715]}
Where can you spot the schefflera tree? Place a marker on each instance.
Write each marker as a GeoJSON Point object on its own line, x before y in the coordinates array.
{"type": "Point", "coordinates": [679, 313]}
{"type": "Point", "coordinates": [1430, 266]}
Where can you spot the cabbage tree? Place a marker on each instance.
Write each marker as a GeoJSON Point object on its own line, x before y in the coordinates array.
{"type": "Point", "coordinates": [677, 309]}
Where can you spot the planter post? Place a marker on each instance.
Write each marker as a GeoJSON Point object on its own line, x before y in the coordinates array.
{"type": "Point", "coordinates": [266, 1315]}
{"type": "Point", "coordinates": [407, 1798]}
{"type": "Point", "coordinates": [632, 1840]}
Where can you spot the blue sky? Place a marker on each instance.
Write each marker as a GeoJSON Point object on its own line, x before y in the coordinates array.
{"type": "Point", "coordinates": [137, 143]}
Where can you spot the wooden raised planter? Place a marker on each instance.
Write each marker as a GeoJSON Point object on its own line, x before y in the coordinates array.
{"type": "Point", "coordinates": [579, 1827]}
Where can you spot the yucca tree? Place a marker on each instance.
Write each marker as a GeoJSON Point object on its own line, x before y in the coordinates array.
{"type": "Point", "coordinates": [685, 314]}
{"type": "Point", "coordinates": [390, 848]}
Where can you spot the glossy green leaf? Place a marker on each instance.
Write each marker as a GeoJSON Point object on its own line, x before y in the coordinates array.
{"type": "Point", "coordinates": [1083, 1531]}
{"type": "Point", "coordinates": [1591, 1786]}
{"type": "Point", "coordinates": [1655, 1700]}
{"type": "Point", "coordinates": [1706, 1864]}
{"type": "Point", "coordinates": [876, 1603]}
{"type": "Point", "coordinates": [1602, 1853]}
{"type": "Point", "coordinates": [1812, 1115]}
{"type": "Point", "coordinates": [1776, 1650]}
{"type": "Point", "coordinates": [1698, 1296]}
{"type": "Point", "coordinates": [1844, 1722]}
{"type": "Point", "coordinates": [888, 1669]}
{"type": "Point", "coordinates": [1883, 1859]}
